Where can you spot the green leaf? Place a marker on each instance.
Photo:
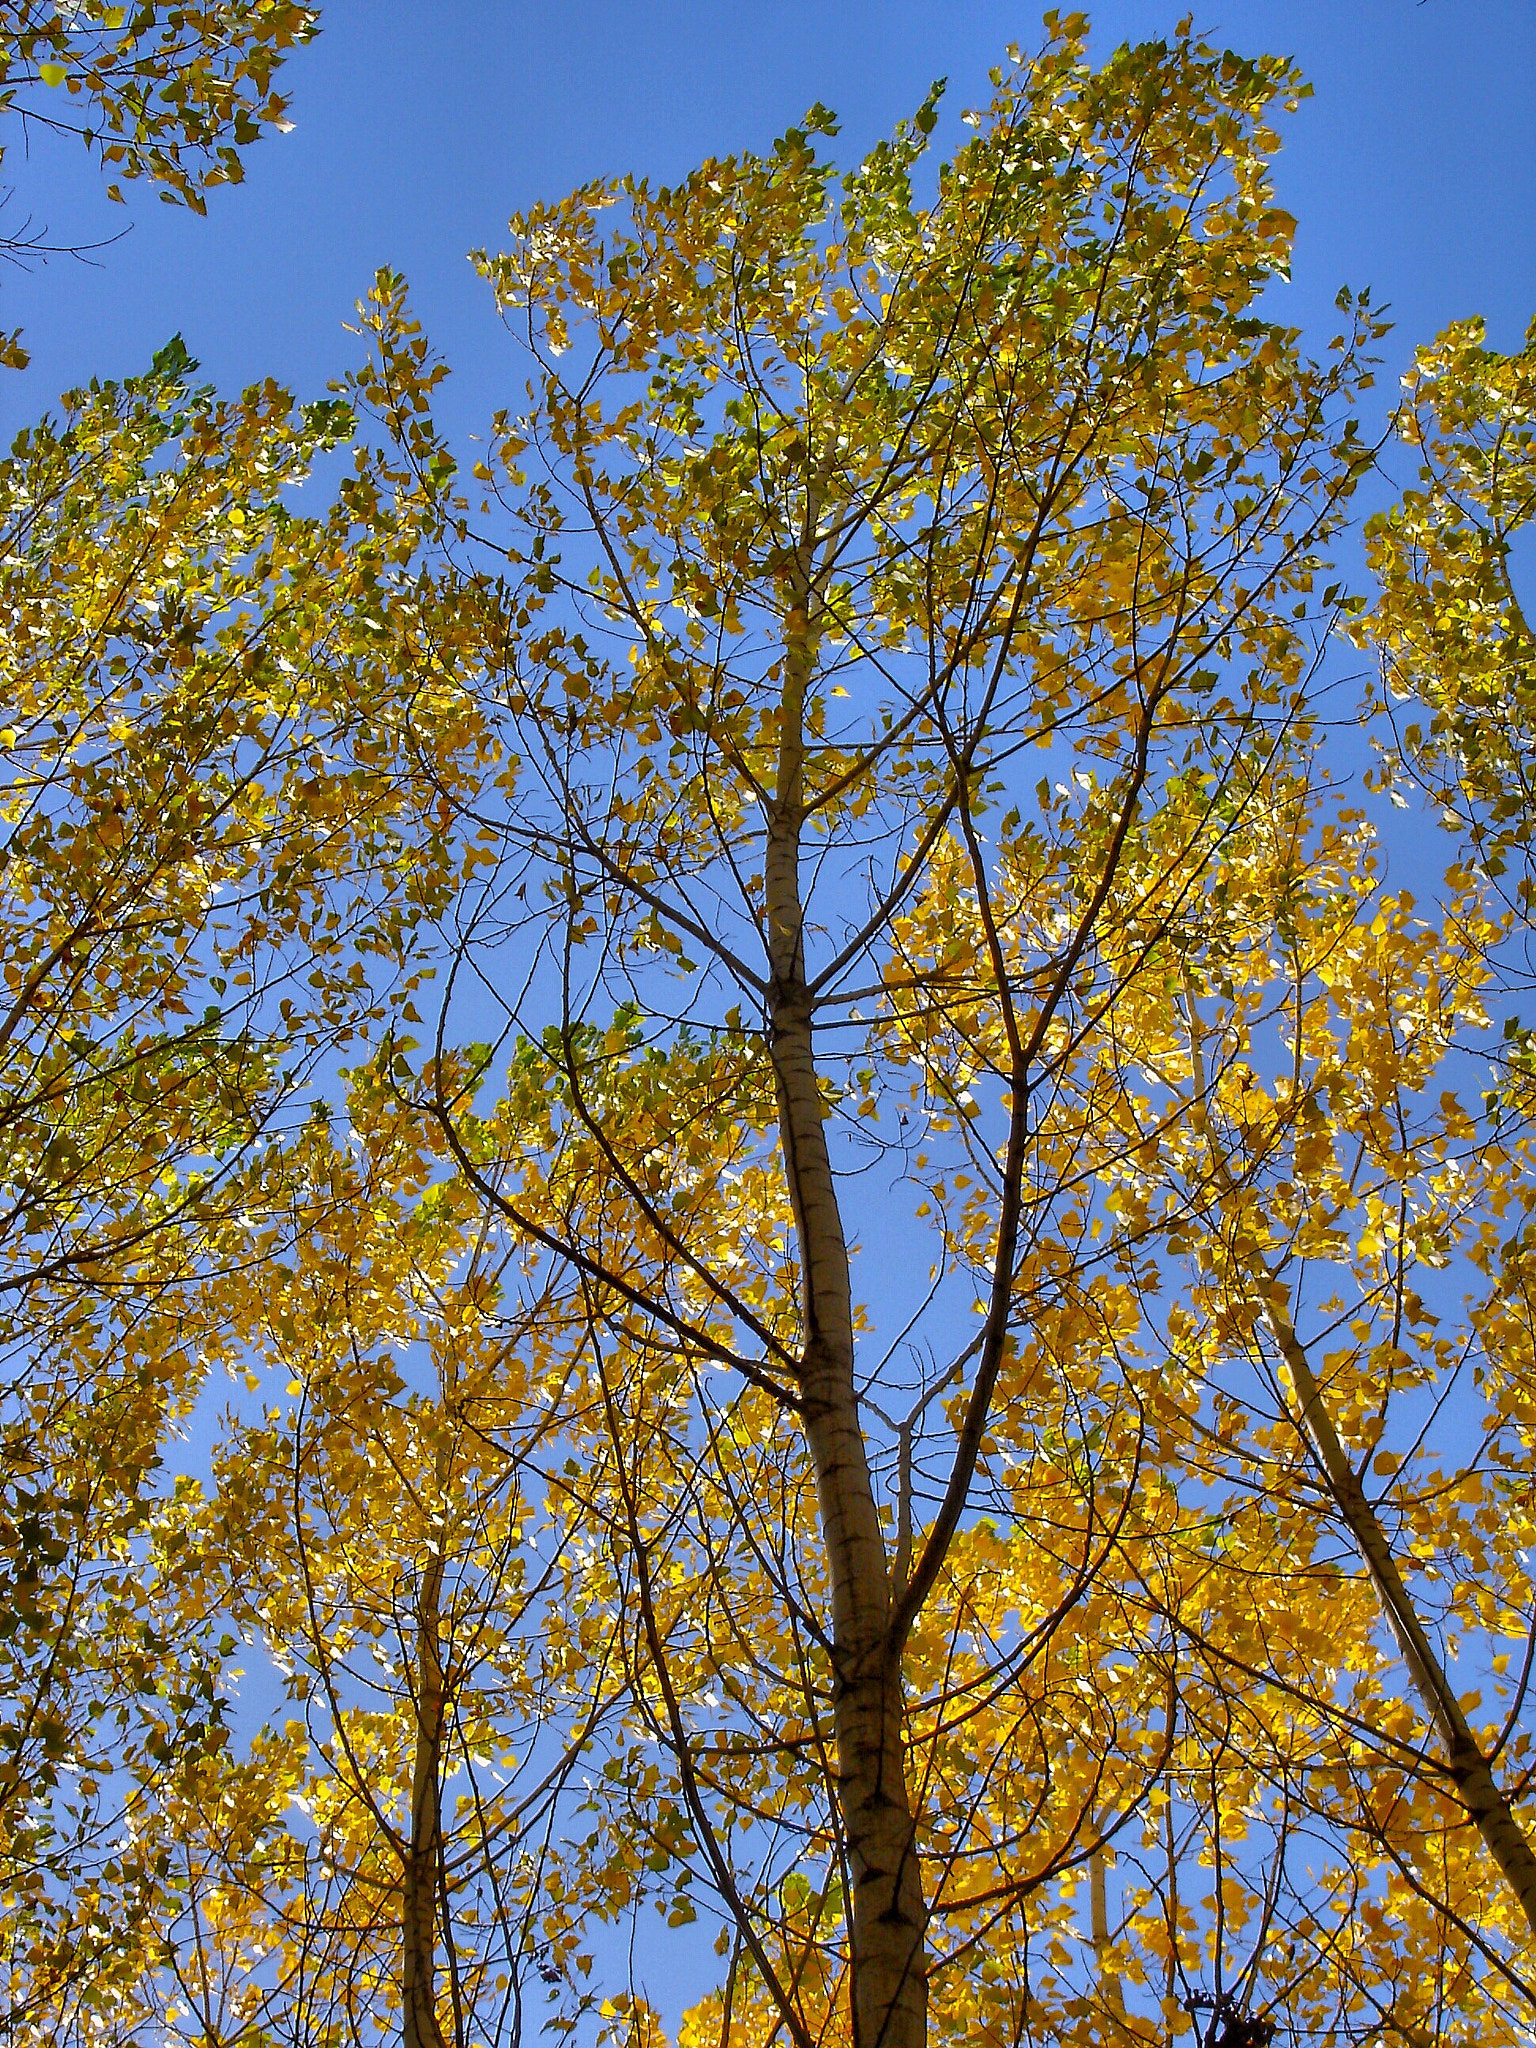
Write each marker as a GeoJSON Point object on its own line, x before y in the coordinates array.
{"type": "Point", "coordinates": [173, 361]}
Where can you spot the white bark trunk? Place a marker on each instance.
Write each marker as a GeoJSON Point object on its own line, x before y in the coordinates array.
{"type": "Point", "coordinates": [1111, 1991]}
{"type": "Point", "coordinates": [887, 1914]}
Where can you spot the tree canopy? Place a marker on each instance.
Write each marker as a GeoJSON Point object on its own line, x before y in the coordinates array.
{"type": "Point", "coordinates": [166, 92]}
{"type": "Point", "coordinates": [866, 1263]}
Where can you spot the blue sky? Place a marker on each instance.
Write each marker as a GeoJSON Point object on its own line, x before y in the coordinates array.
{"type": "Point", "coordinates": [420, 127]}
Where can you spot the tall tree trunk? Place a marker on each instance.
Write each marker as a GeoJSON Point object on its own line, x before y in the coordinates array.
{"type": "Point", "coordinates": [1467, 1767]}
{"type": "Point", "coordinates": [419, 1889]}
{"type": "Point", "coordinates": [1486, 1804]}
{"type": "Point", "coordinates": [887, 1914]}
{"type": "Point", "coordinates": [1111, 1991]}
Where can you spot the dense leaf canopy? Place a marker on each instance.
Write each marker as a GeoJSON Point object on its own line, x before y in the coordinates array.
{"type": "Point", "coordinates": [870, 1281]}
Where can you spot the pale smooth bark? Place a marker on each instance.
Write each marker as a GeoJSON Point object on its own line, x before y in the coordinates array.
{"type": "Point", "coordinates": [887, 1913]}
{"type": "Point", "coordinates": [1111, 1991]}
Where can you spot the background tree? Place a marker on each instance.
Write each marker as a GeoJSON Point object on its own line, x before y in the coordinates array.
{"type": "Point", "coordinates": [234, 737]}
{"type": "Point", "coordinates": [389, 1538]}
{"type": "Point", "coordinates": [165, 91]}
{"type": "Point", "coordinates": [1448, 624]}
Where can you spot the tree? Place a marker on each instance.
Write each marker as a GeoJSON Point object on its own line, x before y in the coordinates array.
{"type": "Point", "coordinates": [882, 507]}
{"type": "Point", "coordinates": [392, 1536]}
{"type": "Point", "coordinates": [888, 719]}
{"type": "Point", "coordinates": [235, 735]}
{"type": "Point", "coordinates": [1451, 632]}
{"type": "Point", "coordinates": [170, 92]}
